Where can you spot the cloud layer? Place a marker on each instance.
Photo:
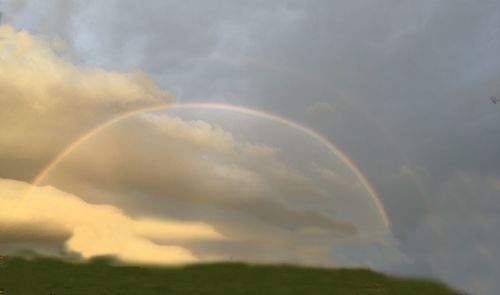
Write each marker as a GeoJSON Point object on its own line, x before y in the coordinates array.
{"type": "Point", "coordinates": [408, 84]}
{"type": "Point", "coordinates": [157, 187]}
{"type": "Point", "coordinates": [38, 214]}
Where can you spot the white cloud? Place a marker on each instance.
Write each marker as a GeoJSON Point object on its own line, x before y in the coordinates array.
{"type": "Point", "coordinates": [46, 101]}
{"type": "Point", "coordinates": [54, 80]}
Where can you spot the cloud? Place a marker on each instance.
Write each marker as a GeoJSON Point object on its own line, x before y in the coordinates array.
{"type": "Point", "coordinates": [412, 80]}
{"type": "Point", "coordinates": [457, 240]}
{"type": "Point", "coordinates": [47, 101]}
{"type": "Point", "coordinates": [153, 187]}
{"type": "Point", "coordinates": [187, 169]}
{"type": "Point", "coordinates": [91, 230]}
{"type": "Point", "coordinates": [198, 132]}
{"type": "Point", "coordinates": [159, 165]}
{"type": "Point", "coordinates": [319, 108]}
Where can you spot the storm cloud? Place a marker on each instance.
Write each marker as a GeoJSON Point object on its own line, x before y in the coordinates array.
{"type": "Point", "coordinates": [402, 87]}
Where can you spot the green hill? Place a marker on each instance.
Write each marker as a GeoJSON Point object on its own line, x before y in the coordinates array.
{"type": "Point", "coordinates": [42, 276]}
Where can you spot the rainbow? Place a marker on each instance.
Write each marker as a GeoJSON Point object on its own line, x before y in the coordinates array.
{"type": "Point", "coordinates": [227, 107]}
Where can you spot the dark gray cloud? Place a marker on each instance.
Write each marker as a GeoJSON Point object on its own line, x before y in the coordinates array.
{"type": "Point", "coordinates": [460, 232]}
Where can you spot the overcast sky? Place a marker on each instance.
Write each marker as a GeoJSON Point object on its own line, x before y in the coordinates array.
{"type": "Point", "coordinates": [401, 87]}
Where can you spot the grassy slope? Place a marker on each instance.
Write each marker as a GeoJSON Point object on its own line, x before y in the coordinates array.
{"type": "Point", "coordinates": [47, 276]}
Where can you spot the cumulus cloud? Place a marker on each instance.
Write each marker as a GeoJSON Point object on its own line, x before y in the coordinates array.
{"type": "Point", "coordinates": [33, 213]}
{"type": "Point", "coordinates": [46, 100]}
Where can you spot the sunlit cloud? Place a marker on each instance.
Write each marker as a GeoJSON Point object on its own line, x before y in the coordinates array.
{"type": "Point", "coordinates": [46, 100]}
{"type": "Point", "coordinates": [92, 230]}
{"type": "Point", "coordinates": [154, 187]}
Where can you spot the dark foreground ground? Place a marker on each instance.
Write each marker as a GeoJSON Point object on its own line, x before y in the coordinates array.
{"type": "Point", "coordinates": [43, 276]}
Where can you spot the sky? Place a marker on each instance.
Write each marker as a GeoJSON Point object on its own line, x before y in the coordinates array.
{"type": "Point", "coordinates": [336, 106]}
